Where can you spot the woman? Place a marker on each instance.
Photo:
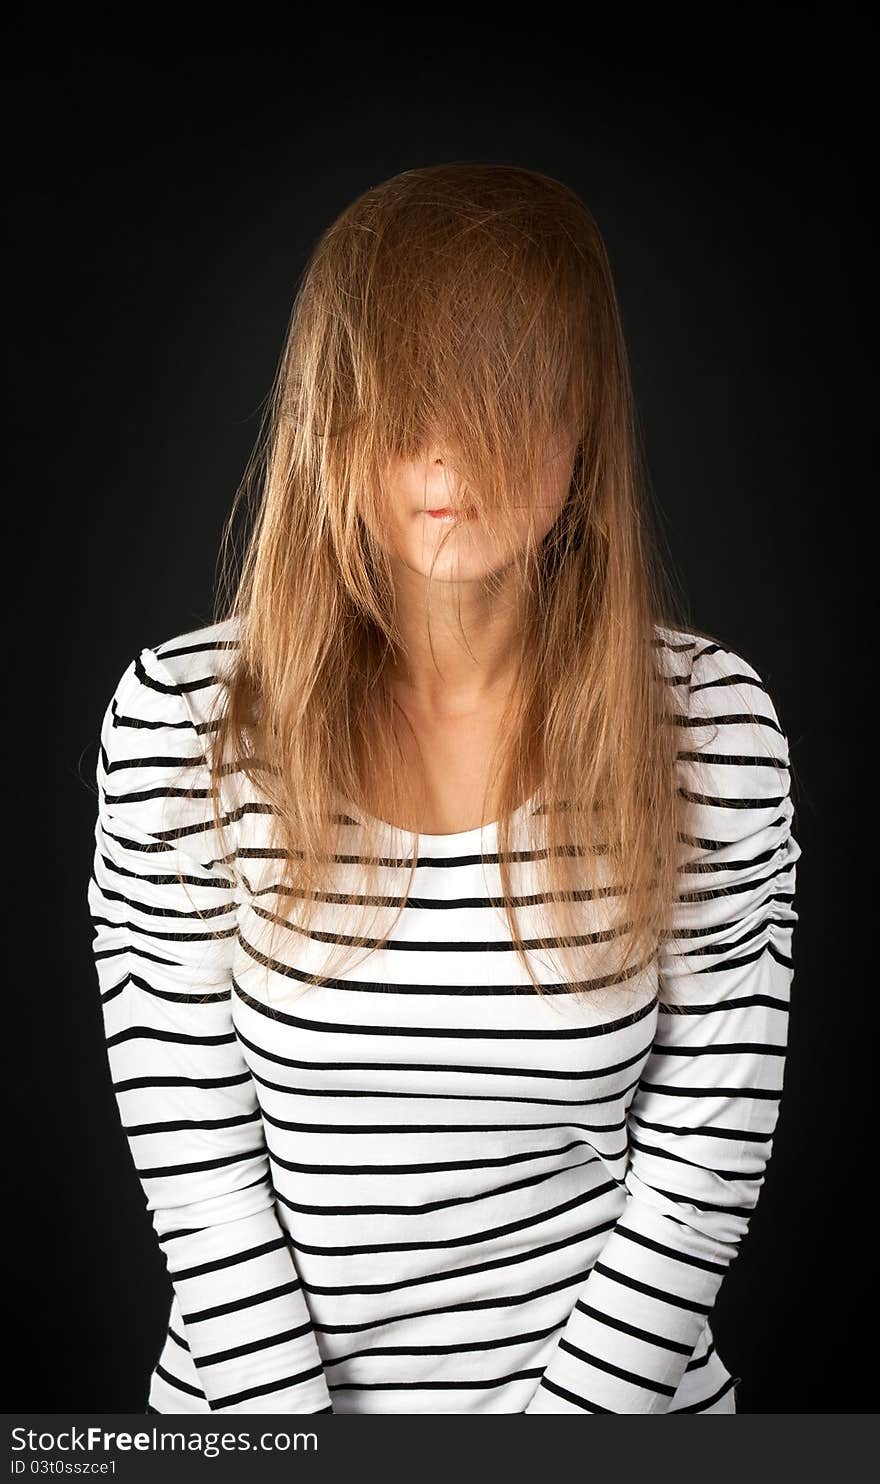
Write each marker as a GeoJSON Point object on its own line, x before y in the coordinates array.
{"type": "Point", "coordinates": [443, 885]}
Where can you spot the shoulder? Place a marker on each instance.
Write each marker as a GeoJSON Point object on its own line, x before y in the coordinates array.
{"type": "Point", "coordinates": [152, 769]}
{"type": "Point", "coordinates": [734, 762]}
{"type": "Point", "coordinates": [174, 682]}
{"type": "Point", "coordinates": [711, 677]}
{"type": "Point", "coordinates": [191, 666]}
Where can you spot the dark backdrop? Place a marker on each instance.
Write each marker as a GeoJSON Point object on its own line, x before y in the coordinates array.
{"type": "Point", "coordinates": [166, 195]}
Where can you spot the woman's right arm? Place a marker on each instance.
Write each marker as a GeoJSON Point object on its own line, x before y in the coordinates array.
{"type": "Point", "coordinates": [185, 1096]}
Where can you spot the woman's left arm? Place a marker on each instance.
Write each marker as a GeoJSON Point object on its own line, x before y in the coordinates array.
{"type": "Point", "coordinates": [703, 1116]}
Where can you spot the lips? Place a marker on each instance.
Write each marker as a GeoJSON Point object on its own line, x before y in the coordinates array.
{"type": "Point", "coordinates": [449, 512]}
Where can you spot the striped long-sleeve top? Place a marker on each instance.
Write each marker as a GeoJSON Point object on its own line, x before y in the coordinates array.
{"type": "Point", "coordinates": [422, 1187]}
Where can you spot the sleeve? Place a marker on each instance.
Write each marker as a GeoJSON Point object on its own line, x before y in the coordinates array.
{"type": "Point", "coordinates": [702, 1117]}
{"type": "Point", "coordinates": [164, 914]}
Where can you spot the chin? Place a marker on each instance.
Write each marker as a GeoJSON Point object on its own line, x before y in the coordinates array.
{"type": "Point", "coordinates": [453, 568]}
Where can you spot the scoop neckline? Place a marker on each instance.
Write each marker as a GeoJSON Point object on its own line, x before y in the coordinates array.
{"type": "Point", "coordinates": [450, 837]}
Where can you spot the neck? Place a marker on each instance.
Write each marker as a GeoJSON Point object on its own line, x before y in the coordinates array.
{"type": "Point", "coordinates": [469, 657]}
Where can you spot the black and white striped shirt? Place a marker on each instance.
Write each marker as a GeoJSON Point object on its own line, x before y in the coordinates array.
{"type": "Point", "coordinates": [422, 1187]}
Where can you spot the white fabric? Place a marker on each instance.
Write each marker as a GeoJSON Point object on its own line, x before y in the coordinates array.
{"type": "Point", "coordinates": [425, 1188]}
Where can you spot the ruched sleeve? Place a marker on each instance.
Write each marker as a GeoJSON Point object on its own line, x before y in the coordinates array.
{"type": "Point", "coordinates": [163, 905]}
{"type": "Point", "coordinates": [701, 1121]}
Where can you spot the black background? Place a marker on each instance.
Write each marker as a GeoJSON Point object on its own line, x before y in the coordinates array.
{"type": "Point", "coordinates": [166, 189]}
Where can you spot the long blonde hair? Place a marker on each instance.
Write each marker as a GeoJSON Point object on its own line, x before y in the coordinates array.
{"type": "Point", "coordinates": [476, 299]}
